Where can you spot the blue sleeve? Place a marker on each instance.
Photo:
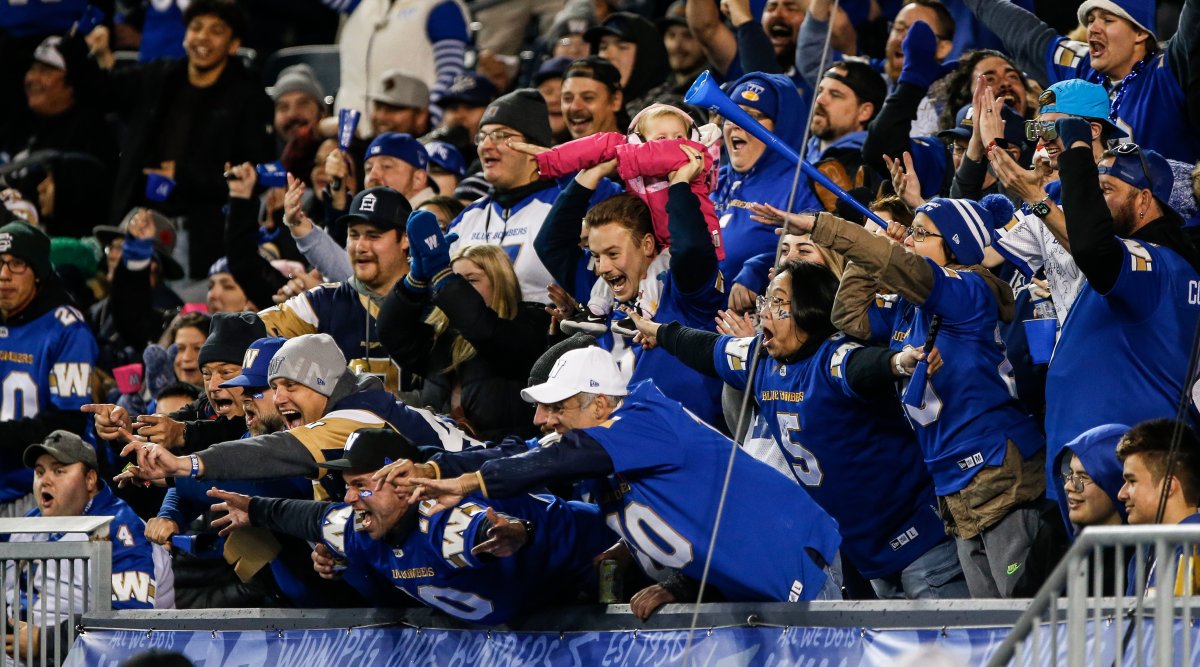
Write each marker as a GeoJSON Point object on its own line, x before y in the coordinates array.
{"type": "Point", "coordinates": [731, 357]}
{"type": "Point", "coordinates": [755, 272]}
{"type": "Point", "coordinates": [930, 161]}
{"type": "Point", "coordinates": [446, 21]}
{"type": "Point", "coordinates": [1064, 59]}
{"type": "Point", "coordinates": [958, 296]}
{"type": "Point", "coordinates": [576, 456]}
{"type": "Point", "coordinates": [453, 464]}
{"type": "Point", "coordinates": [74, 359]}
{"type": "Point", "coordinates": [882, 315]}
{"type": "Point", "coordinates": [170, 508]}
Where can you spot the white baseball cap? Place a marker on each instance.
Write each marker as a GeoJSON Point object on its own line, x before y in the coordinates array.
{"type": "Point", "coordinates": [590, 369]}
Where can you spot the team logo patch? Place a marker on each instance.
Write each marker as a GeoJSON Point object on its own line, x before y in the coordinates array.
{"type": "Point", "coordinates": [753, 92]}
{"type": "Point", "coordinates": [350, 442]}
{"type": "Point", "coordinates": [5, 242]}
{"type": "Point", "coordinates": [368, 203]}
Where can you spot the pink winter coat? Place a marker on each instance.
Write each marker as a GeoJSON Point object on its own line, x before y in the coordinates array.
{"type": "Point", "coordinates": [644, 166]}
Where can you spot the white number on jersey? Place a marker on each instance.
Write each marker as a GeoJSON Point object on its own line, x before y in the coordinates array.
{"type": "Point", "coordinates": [459, 604]}
{"type": "Point", "coordinates": [648, 533]}
{"type": "Point", "coordinates": [805, 465]}
{"type": "Point", "coordinates": [19, 398]}
{"type": "Point", "coordinates": [931, 407]}
{"type": "Point", "coordinates": [125, 536]}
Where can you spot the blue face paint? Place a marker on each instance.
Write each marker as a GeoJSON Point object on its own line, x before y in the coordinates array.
{"type": "Point", "coordinates": [365, 493]}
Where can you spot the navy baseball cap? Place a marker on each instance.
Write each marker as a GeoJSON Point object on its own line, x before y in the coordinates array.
{"type": "Point", "coordinates": [379, 206]}
{"type": "Point", "coordinates": [1077, 97]}
{"type": "Point", "coordinates": [255, 363]}
{"type": "Point", "coordinates": [964, 122]}
{"type": "Point", "coordinates": [447, 158]}
{"type": "Point", "coordinates": [1142, 168]}
{"type": "Point", "coordinates": [470, 88]}
{"type": "Point", "coordinates": [553, 68]}
{"type": "Point", "coordinates": [400, 146]}
{"type": "Point", "coordinates": [758, 95]}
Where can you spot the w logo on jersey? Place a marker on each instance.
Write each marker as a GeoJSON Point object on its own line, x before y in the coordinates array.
{"type": "Point", "coordinates": [71, 379]}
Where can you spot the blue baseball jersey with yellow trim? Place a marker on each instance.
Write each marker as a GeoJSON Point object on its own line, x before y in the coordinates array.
{"type": "Point", "coordinates": [434, 564]}
{"type": "Point", "coordinates": [857, 457]}
{"type": "Point", "coordinates": [663, 497]}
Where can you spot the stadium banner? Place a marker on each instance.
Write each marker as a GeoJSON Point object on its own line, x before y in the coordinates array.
{"type": "Point", "coordinates": [378, 646]}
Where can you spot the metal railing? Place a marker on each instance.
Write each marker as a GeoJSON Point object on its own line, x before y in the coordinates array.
{"type": "Point", "coordinates": [50, 581]}
{"type": "Point", "coordinates": [1121, 595]}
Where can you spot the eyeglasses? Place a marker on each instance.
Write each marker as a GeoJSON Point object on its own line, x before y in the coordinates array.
{"type": "Point", "coordinates": [920, 234]}
{"type": "Point", "coordinates": [497, 136]}
{"type": "Point", "coordinates": [772, 306]}
{"type": "Point", "coordinates": [1040, 130]}
{"type": "Point", "coordinates": [16, 265]}
{"type": "Point", "coordinates": [1134, 149]}
{"type": "Point", "coordinates": [1075, 482]}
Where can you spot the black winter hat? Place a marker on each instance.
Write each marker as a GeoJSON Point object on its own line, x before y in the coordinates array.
{"type": "Point", "coordinates": [525, 111]}
{"type": "Point", "coordinates": [23, 240]}
{"type": "Point", "coordinates": [229, 335]}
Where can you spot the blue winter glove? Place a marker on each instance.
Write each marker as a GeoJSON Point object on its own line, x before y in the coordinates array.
{"type": "Point", "coordinates": [921, 67]}
{"type": "Point", "coordinates": [1073, 129]}
{"type": "Point", "coordinates": [136, 253]}
{"type": "Point", "coordinates": [159, 367]}
{"type": "Point", "coordinates": [428, 248]}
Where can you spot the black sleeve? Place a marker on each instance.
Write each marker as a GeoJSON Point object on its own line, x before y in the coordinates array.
{"type": "Point", "coordinates": [557, 242]}
{"type": "Point", "coordinates": [968, 180]}
{"type": "Point", "coordinates": [204, 432]}
{"type": "Point", "coordinates": [136, 321]}
{"type": "Point", "coordinates": [510, 346]}
{"type": "Point", "coordinates": [453, 464]}
{"type": "Point", "coordinates": [253, 273]}
{"type": "Point", "coordinates": [755, 51]}
{"type": "Point", "coordinates": [1024, 35]}
{"type": "Point", "coordinates": [299, 518]}
{"type": "Point", "coordinates": [694, 347]}
{"type": "Point", "coordinates": [1094, 244]}
{"type": "Point", "coordinates": [577, 456]}
{"type": "Point", "coordinates": [888, 133]}
{"type": "Point", "coordinates": [403, 331]}
{"type": "Point", "coordinates": [1183, 53]}
{"type": "Point", "coordinates": [335, 229]}
{"type": "Point", "coordinates": [693, 258]}
{"type": "Point", "coordinates": [682, 587]}
{"type": "Point", "coordinates": [869, 372]}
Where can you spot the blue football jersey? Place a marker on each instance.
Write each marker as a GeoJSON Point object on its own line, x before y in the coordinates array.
{"type": "Point", "coordinates": [434, 563]}
{"type": "Point", "coordinates": [857, 457]}
{"type": "Point", "coordinates": [669, 469]}
{"type": "Point", "coordinates": [698, 392]}
{"type": "Point", "coordinates": [45, 364]}
{"type": "Point", "coordinates": [1154, 109]}
{"type": "Point", "coordinates": [969, 411]}
{"type": "Point", "coordinates": [1122, 357]}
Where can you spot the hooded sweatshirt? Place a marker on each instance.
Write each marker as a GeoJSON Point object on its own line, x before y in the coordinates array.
{"type": "Point", "coordinates": [768, 181]}
{"type": "Point", "coordinates": [1097, 451]}
{"type": "Point", "coordinates": [644, 166]}
{"type": "Point", "coordinates": [648, 68]}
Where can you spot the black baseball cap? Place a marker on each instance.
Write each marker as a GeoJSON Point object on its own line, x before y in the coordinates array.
{"type": "Point", "coordinates": [369, 449]}
{"type": "Point", "coordinates": [619, 25]}
{"type": "Point", "coordinates": [595, 67]}
{"type": "Point", "coordinates": [379, 206]}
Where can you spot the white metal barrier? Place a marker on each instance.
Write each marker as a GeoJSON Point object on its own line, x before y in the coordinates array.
{"type": "Point", "coordinates": [1121, 595]}
{"type": "Point", "coordinates": [52, 570]}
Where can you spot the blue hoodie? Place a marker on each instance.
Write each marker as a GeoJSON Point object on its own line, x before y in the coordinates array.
{"type": "Point", "coordinates": [768, 181]}
{"type": "Point", "coordinates": [1097, 451]}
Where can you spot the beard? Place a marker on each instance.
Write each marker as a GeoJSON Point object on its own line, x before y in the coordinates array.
{"type": "Point", "coordinates": [1125, 219]}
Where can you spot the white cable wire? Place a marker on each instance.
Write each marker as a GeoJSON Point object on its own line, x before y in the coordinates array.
{"type": "Point", "coordinates": [753, 364]}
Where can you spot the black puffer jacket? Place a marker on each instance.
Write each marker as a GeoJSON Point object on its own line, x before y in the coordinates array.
{"type": "Point", "coordinates": [488, 385]}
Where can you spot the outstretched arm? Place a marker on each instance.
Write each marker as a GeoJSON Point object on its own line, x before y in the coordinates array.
{"type": "Point", "coordinates": [1025, 36]}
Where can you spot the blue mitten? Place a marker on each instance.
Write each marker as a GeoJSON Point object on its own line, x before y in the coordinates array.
{"type": "Point", "coordinates": [429, 248]}
{"type": "Point", "coordinates": [159, 367]}
{"type": "Point", "coordinates": [1073, 129]}
{"type": "Point", "coordinates": [921, 67]}
{"type": "Point", "coordinates": [136, 253]}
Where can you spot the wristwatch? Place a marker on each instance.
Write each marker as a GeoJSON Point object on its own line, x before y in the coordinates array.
{"type": "Point", "coordinates": [1041, 209]}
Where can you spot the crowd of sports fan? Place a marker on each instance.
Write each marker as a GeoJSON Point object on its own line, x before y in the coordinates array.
{"type": "Point", "coordinates": [535, 313]}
